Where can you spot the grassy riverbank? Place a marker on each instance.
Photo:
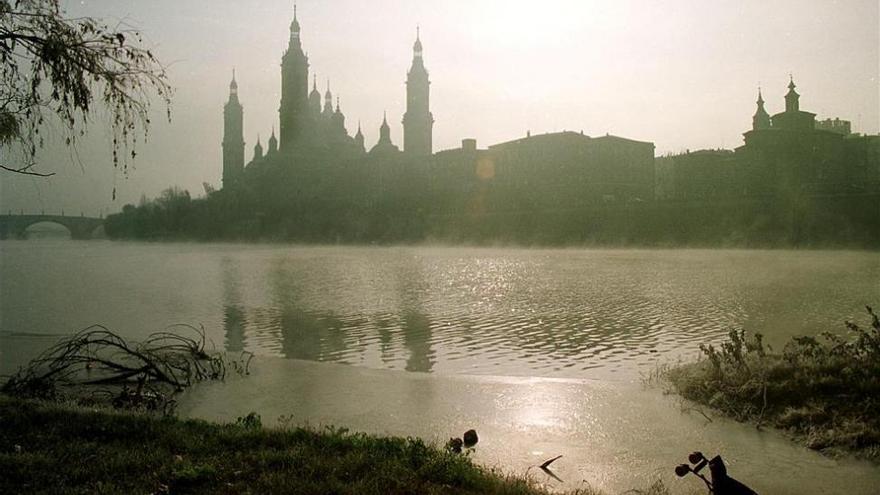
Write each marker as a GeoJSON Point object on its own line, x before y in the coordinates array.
{"type": "Point", "coordinates": [46, 448]}
{"type": "Point", "coordinates": [824, 391]}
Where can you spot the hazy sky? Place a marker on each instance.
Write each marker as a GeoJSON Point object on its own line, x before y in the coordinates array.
{"type": "Point", "coordinates": [680, 73]}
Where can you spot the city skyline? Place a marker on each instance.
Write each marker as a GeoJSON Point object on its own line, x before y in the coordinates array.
{"type": "Point", "coordinates": [707, 109]}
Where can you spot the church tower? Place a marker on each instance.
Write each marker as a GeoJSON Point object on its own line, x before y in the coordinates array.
{"type": "Point", "coordinates": [258, 150]}
{"type": "Point", "coordinates": [792, 99]}
{"type": "Point", "coordinates": [359, 138]}
{"type": "Point", "coordinates": [339, 120]}
{"type": "Point", "coordinates": [315, 99]}
{"type": "Point", "coordinates": [417, 121]}
{"type": "Point", "coordinates": [761, 119]}
{"type": "Point", "coordinates": [384, 146]}
{"type": "Point", "coordinates": [385, 132]}
{"type": "Point", "coordinates": [273, 143]}
{"type": "Point", "coordinates": [328, 102]}
{"type": "Point", "coordinates": [294, 89]}
{"type": "Point", "coordinates": [233, 136]}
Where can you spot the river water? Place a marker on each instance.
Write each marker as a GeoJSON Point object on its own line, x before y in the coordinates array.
{"type": "Point", "coordinates": [541, 351]}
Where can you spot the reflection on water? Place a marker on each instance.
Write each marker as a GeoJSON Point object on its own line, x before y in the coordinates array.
{"type": "Point", "coordinates": [323, 335]}
{"type": "Point", "coordinates": [233, 313]}
{"type": "Point", "coordinates": [479, 312]}
{"type": "Point", "coordinates": [560, 313]}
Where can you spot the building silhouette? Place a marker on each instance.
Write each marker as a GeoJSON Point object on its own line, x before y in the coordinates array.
{"type": "Point", "coordinates": [320, 184]}
{"type": "Point", "coordinates": [793, 156]}
{"type": "Point", "coordinates": [785, 156]}
{"type": "Point", "coordinates": [558, 167]}
{"type": "Point", "coordinates": [313, 124]}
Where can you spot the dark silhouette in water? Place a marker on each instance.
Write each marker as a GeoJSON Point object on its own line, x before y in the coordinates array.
{"type": "Point", "coordinates": [721, 483]}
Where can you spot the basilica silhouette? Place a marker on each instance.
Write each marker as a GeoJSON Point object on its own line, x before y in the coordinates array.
{"type": "Point", "coordinates": [794, 180]}
{"type": "Point", "coordinates": [310, 124]}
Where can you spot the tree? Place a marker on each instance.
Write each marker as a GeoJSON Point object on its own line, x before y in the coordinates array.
{"type": "Point", "coordinates": [53, 66]}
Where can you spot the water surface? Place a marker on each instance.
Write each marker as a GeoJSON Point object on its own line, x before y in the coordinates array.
{"type": "Point", "coordinates": [540, 350]}
{"type": "Point", "coordinates": [608, 314]}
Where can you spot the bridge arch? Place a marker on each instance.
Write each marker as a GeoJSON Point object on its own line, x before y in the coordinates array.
{"type": "Point", "coordinates": [15, 226]}
{"type": "Point", "coordinates": [45, 226]}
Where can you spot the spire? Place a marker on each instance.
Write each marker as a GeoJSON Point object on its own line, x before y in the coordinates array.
{"type": "Point", "coordinates": [328, 100]}
{"type": "Point", "coordinates": [258, 149]}
{"type": "Point", "coordinates": [233, 86]}
{"type": "Point", "coordinates": [359, 137]}
{"type": "Point", "coordinates": [792, 98]}
{"type": "Point", "coordinates": [384, 130]}
{"type": "Point", "coordinates": [337, 105]}
{"type": "Point", "coordinates": [273, 142]}
{"type": "Point", "coordinates": [315, 98]}
{"type": "Point", "coordinates": [417, 46]}
{"type": "Point", "coordinates": [294, 26]}
{"type": "Point", "coordinates": [761, 119]}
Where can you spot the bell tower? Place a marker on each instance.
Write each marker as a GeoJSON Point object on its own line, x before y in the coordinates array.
{"type": "Point", "coordinates": [294, 89]}
{"type": "Point", "coordinates": [761, 119]}
{"type": "Point", "coordinates": [233, 136]}
{"type": "Point", "coordinates": [418, 123]}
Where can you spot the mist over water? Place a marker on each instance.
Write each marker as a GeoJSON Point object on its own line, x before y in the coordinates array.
{"type": "Point", "coordinates": [550, 313]}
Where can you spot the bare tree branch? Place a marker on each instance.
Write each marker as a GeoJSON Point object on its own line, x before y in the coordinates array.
{"type": "Point", "coordinates": [25, 171]}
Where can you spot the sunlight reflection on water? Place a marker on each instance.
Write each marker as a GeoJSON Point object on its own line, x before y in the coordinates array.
{"type": "Point", "coordinates": [612, 436]}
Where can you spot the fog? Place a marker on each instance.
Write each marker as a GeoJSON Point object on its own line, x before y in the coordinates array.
{"type": "Point", "coordinates": [681, 74]}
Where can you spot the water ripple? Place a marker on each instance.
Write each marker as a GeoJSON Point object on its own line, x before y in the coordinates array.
{"type": "Point", "coordinates": [561, 313]}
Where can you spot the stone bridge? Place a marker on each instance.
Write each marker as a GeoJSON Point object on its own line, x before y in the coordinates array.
{"type": "Point", "coordinates": [14, 226]}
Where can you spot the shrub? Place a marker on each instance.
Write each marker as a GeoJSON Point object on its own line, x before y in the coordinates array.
{"type": "Point", "coordinates": [822, 389]}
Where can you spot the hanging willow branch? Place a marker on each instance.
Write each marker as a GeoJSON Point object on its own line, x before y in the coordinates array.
{"type": "Point", "coordinates": [60, 67]}
{"type": "Point", "coordinates": [145, 375]}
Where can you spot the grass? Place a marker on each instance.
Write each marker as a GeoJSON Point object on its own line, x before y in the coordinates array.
{"type": "Point", "coordinates": [824, 391]}
{"type": "Point", "coordinates": [51, 448]}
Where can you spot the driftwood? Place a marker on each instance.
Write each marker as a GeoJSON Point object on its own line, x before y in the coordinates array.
{"type": "Point", "coordinates": [98, 363]}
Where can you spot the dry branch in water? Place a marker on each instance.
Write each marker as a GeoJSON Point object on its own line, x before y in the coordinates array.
{"type": "Point", "coordinates": [97, 362]}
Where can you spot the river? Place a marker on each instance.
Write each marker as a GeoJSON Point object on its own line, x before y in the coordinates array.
{"type": "Point", "coordinates": [542, 351]}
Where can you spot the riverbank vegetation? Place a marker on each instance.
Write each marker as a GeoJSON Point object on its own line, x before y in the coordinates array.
{"type": "Point", "coordinates": [823, 390]}
{"type": "Point", "coordinates": [47, 447]}
{"type": "Point", "coordinates": [337, 211]}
